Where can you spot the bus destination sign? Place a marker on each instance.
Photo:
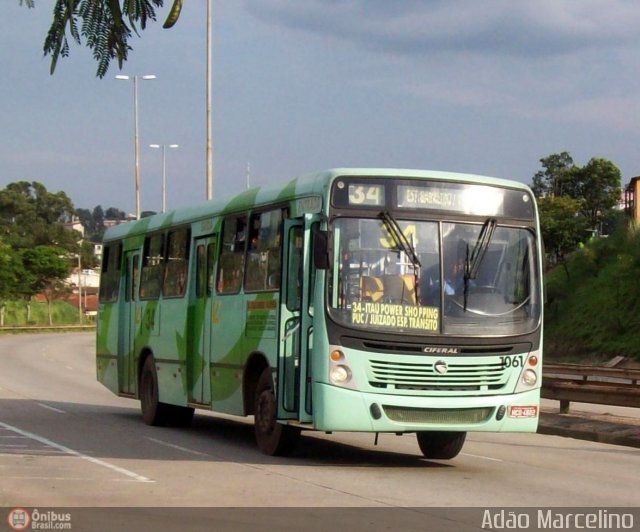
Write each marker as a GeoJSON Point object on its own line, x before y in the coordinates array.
{"type": "Point", "coordinates": [469, 199]}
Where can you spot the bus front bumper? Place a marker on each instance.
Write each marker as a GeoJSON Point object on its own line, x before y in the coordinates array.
{"type": "Point", "coordinates": [341, 409]}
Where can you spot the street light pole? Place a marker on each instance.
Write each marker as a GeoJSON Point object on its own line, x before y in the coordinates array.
{"type": "Point", "coordinates": [136, 143]}
{"type": "Point", "coordinates": [164, 171]}
{"type": "Point", "coordinates": [209, 184]}
{"type": "Point", "coordinates": [79, 289]}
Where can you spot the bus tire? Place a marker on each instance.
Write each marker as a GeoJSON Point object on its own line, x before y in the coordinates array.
{"type": "Point", "coordinates": [153, 411]}
{"type": "Point", "coordinates": [441, 445]}
{"type": "Point", "coordinates": [273, 438]}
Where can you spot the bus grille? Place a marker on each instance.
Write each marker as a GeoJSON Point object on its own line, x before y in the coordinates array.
{"type": "Point", "coordinates": [460, 376]}
{"type": "Point", "coordinates": [459, 416]}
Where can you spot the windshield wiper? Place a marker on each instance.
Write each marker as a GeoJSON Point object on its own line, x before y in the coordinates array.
{"type": "Point", "coordinates": [474, 259]}
{"type": "Point", "coordinates": [403, 244]}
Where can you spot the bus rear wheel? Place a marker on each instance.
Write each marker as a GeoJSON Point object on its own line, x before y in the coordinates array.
{"type": "Point", "coordinates": [273, 438]}
{"type": "Point", "coordinates": [441, 445]}
{"type": "Point", "coordinates": [153, 411]}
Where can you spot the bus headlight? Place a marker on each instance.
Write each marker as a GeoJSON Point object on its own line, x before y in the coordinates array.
{"type": "Point", "coordinates": [340, 374]}
{"type": "Point", "coordinates": [529, 377]}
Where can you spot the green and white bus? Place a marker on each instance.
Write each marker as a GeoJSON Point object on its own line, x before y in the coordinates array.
{"type": "Point", "coordinates": [367, 300]}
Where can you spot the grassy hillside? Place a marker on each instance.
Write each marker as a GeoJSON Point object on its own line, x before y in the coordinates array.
{"type": "Point", "coordinates": [593, 301]}
{"type": "Point", "coordinates": [62, 313]}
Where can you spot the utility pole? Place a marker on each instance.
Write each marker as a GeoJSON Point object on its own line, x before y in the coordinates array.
{"type": "Point", "coordinates": [209, 185]}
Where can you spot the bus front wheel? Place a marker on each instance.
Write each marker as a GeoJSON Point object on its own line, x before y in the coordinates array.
{"type": "Point", "coordinates": [441, 445]}
{"type": "Point", "coordinates": [273, 438]}
{"type": "Point", "coordinates": [153, 411]}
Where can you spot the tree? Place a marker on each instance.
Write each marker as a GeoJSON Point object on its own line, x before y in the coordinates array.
{"type": "Point", "coordinates": [87, 255]}
{"type": "Point", "coordinates": [8, 272]}
{"type": "Point", "coordinates": [96, 230]}
{"type": "Point", "coordinates": [94, 221]}
{"type": "Point", "coordinates": [10, 276]}
{"type": "Point", "coordinates": [562, 227]}
{"type": "Point", "coordinates": [46, 267]}
{"type": "Point", "coordinates": [552, 181]}
{"type": "Point", "coordinates": [586, 197]}
{"type": "Point", "coordinates": [597, 185]}
{"type": "Point", "coordinates": [98, 219]}
{"type": "Point", "coordinates": [86, 219]}
{"type": "Point", "coordinates": [115, 214]}
{"type": "Point", "coordinates": [32, 216]}
{"type": "Point", "coordinates": [106, 25]}
{"type": "Point", "coordinates": [31, 221]}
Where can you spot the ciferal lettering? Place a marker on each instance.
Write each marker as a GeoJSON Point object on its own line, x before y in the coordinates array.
{"type": "Point", "coordinates": [441, 350]}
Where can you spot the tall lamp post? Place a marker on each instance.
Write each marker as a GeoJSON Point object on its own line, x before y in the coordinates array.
{"type": "Point", "coordinates": [164, 171]}
{"type": "Point", "coordinates": [79, 289]}
{"type": "Point", "coordinates": [209, 184]}
{"type": "Point", "coordinates": [136, 143]}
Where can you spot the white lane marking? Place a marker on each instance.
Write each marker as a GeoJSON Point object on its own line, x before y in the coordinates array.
{"type": "Point", "coordinates": [72, 452]}
{"type": "Point", "coordinates": [483, 457]}
{"type": "Point", "coordinates": [174, 446]}
{"type": "Point", "coordinates": [51, 408]}
{"type": "Point", "coordinates": [81, 479]}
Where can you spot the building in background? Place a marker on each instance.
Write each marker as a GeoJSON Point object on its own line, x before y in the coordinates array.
{"type": "Point", "coordinates": [631, 196]}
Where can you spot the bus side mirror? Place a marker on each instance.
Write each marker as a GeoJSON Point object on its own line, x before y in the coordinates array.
{"type": "Point", "coordinates": [320, 249]}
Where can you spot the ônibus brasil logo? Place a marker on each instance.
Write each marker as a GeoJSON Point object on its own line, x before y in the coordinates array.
{"type": "Point", "coordinates": [19, 519]}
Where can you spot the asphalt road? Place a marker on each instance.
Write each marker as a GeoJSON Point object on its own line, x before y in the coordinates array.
{"type": "Point", "coordinates": [65, 441]}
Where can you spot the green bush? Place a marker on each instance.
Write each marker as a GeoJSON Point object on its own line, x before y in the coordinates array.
{"type": "Point", "coordinates": [62, 313]}
{"type": "Point", "coordinates": [593, 300]}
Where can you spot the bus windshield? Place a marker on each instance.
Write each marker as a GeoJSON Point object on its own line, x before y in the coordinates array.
{"type": "Point", "coordinates": [451, 278]}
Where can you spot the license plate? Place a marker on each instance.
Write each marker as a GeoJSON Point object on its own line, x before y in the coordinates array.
{"type": "Point", "coordinates": [523, 411]}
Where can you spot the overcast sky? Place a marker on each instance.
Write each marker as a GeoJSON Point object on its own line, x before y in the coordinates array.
{"type": "Point", "coordinates": [485, 87]}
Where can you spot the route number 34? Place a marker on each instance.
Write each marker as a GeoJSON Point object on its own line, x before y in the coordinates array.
{"type": "Point", "coordinates": [372, 195]}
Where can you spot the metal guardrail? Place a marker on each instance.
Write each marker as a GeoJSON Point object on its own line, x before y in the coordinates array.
{"type": "Point", "coordinates": [591, 384]}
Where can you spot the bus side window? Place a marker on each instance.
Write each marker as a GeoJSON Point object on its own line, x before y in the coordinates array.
{"type": "Point", "coordinates": [201, 271]}
{"type": "Point", "coordinates": [176, 268]}
{"type": "Point", "coordinates": [263, 257]}
{"type": "Point", "coordinates": [110, 273]}
{"type": "Point", "coordinates": [295, 268]}
{"type": "Point", "coordinates": [205, 274]}
{"type": "Point", "coordinates": [152, 267]}
{"type": "Point", "coordinates": [231, 265]}
{"type": "Point", "coordinates": [211, 261]}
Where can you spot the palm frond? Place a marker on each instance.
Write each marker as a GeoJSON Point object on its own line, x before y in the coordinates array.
{"type": "Point", "coordinates": [105, 25]}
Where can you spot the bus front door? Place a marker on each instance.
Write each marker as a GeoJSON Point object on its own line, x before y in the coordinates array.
{"type": "Point", "coordinates": [128, 320]}
{"type": "Point", "coordinates": [201, 316]}
{"type": "Point", "coordinates": [294, 329]}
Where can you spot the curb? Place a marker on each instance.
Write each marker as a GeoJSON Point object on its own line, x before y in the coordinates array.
{"type": "Point", "coordinates": [585, 428]}
{"type": "Point", "coordinates": [34, 329]}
